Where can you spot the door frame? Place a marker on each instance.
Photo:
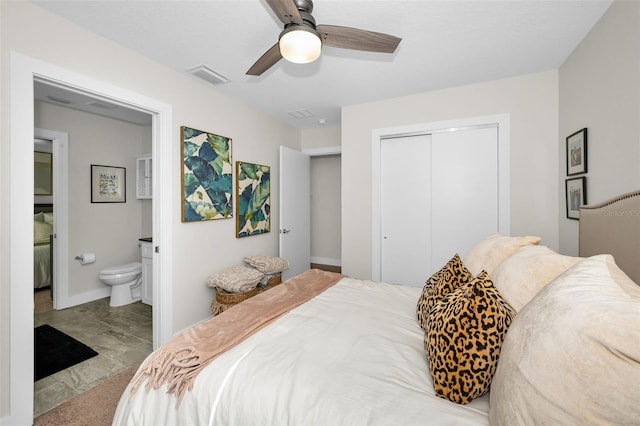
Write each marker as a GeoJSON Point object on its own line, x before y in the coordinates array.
{"type": "Point", "coordinates": [502, 121]}
{"type": "Point", "coordinates": [311, 153]}
{"type": "Point", "coordinates": [60, 247]}
{"type": "Point", "coordinates": [23, 71]}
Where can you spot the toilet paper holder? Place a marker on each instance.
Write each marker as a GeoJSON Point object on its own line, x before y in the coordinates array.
{"type": "Point", "coordinates": [86, 258]}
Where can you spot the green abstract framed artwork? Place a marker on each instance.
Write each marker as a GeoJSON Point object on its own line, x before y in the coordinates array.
{"type": "Point", "coordinates": [206, 176]}
{"type": "Point", "coordinates": [253, 199]}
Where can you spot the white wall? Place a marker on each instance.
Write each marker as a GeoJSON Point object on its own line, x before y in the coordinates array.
{"type": "Point", "coordinates": [111, 231]}
{"type": "Point", "coordinates": [321, 137]}
{"type": "Point", "coordinates": [199, 248]}
{"type": "Point", "coordinates": [532, 103]}
{"type": "Point", "coordinates": [600, 90]}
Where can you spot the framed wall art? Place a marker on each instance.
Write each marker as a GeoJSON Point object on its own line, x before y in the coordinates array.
{"type": "Point", "coordinates": [253, 199]}
{"type": "Point", "coordinates": [206, 176]}
{"type": "Point", "coordinates": [577, 153]}
{"type": "Point", "coordinates": [108, 184]}
{"type": "Point", "coordinates": [576, 194]}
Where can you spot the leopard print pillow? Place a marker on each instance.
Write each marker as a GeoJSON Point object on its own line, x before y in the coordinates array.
{"type": "Point", "coordinates": [463, 339]}
{"type": "Point", "coordinates": [451, 276]}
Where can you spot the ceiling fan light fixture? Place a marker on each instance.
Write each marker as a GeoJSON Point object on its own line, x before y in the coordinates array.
{"type": "Point", "coordinates": [300, 44]}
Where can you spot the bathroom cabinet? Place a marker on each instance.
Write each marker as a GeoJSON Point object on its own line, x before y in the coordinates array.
{"type": "Point", "coordinates": [146, 249]}
{"type": "Point", "coordinates": [144, 187]}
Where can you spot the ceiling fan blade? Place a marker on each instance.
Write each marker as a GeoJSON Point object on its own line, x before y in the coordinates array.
{"type": "Point", "coordinates": [266, 61]}
{"type": "Point", "coordinates": [286, 10]}
{"type": "Point", "coordinates": [355, 39]}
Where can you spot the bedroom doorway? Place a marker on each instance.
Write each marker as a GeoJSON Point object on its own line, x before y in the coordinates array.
{"type": "Point", "coordinates": [297, 226]}
{"type": "Point", "coordinates": [59, 203]}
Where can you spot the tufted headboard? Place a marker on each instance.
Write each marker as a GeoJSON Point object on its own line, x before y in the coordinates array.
{"type": "Point", "coordinates": [613, 227]}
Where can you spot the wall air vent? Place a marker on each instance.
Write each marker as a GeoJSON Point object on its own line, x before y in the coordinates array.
{"type": "Point", "coordinates": [301, 113]}
{"type": "Point", "coordinates": [207, 74]}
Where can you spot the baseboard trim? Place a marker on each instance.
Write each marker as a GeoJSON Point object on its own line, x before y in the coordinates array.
{"type": "Point", "coordinates": [326, 261]}
{"type": "Point", "coordinates": [87, 297]}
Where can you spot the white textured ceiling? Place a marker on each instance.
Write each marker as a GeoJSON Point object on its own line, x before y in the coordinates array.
{"type": "Point", "coordinates": [445, 43]}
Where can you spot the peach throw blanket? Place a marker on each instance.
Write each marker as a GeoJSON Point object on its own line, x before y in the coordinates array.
{"type": "Point", "coordinates": [179, 361]}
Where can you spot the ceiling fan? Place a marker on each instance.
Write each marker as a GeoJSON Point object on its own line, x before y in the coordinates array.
{"type": "Point", "coordinates": [301, 40]}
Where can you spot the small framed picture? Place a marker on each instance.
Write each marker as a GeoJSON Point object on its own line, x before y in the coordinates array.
{"type": "Point", "coordinates": [108, 184]}
{"type": "Point", "coordinates": [577, 153]}
{"type": "Point", "coordinates": [576, 193]}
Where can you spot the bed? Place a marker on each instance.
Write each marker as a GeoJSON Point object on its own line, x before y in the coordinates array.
{"type": "Point", "coordinates": [613, 226]}
{"type": "Point", "coordinates": [551, 339]}
{"type": "Point", "coordinates": [42, 241]}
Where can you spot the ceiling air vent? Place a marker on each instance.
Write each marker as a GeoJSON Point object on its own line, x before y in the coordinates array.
{"type": "Point", "coordinates": [207, 74]}
{"type": "Point", "coordinates": [101, 105]}
{"type": "Point", "coordinates": [59, 100]}
{"type": "Point", "coordinates": [301, 113]}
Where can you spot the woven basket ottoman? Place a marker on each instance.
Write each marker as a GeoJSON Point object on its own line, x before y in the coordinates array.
{"type": "Point", "coordinates": [224, 299]}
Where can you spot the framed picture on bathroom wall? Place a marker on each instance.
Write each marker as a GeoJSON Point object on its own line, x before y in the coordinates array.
{"type": "Point", "coordinates": [108, 184]}
{"type": "Point", "coordinates": [207, 186]}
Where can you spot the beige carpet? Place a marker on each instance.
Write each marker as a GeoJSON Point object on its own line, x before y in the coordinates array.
{"type": "Point", "coordinates": [94, 407]}
{"type": "Point", "coordinates": [42, 301]}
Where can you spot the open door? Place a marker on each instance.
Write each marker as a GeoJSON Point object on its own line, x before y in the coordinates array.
{"type": "Point", "coordinates": [295, 210]}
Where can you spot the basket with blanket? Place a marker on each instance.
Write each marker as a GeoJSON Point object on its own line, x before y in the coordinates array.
{"type": "Point", "coordinates": [238, 283]}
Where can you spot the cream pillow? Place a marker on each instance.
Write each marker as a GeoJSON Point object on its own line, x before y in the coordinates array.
{"type": "Point", "coordinates": [236, 279]}
{"type": "Point", "coordinates": [572, 355]}
{"type": "Point", "coordinates": [493, 250]}
{"type": "Point", "coordinates": [38, 217]}
{"type": "Point", "coordinates": [48, 218]}
{"type": "Point", "coordinates": [523, 274]}
{"type": "Point", "coordinates": [268, 264]}
{"type": "Point", "coordinates": [41, 232]}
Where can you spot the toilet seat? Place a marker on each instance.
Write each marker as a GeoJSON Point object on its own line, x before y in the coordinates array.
{"type": "Point", "coordinates": [122, 269]}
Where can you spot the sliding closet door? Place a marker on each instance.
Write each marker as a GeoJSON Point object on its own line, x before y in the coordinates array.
{"type": "Point", "coordinates": [405, 213]}
{"type": "Point", "coordinates": [464, 191]}
{"type": "Point", "coordinates": [439, 195]}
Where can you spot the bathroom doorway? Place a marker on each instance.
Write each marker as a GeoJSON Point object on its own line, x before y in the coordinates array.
{"type": "Point", "coordinates": [24, 71]}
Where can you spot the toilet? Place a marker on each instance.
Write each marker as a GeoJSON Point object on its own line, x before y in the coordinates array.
{"type": "Point", "coordinates": [125, 283]}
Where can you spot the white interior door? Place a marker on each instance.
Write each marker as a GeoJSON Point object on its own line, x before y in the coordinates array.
{"type": "Point", "coordinates": [406, 214]}
{"type": "Point", "coordinates": [438, 196]}
{"type": "Point", "coordinates": [464, 196]}
{"type": "Point", "coordinates": [295, 210]}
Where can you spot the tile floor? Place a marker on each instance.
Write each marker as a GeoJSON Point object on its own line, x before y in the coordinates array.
{"type": "Point", "coordinates": [122, 337]}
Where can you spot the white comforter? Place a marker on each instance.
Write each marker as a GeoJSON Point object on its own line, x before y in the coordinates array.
{"type": "Point", "coordinates": [351, 356]}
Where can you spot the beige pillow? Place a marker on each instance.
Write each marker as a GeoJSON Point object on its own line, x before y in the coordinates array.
{"type": "Point", "coordinates": [48, 218]}
{"type": "Point", "coordinates": [41, 232]}
{"type": "Point", "coordinates": [38, 217]}
{"type": "Point", "coordinates": [451, 276]}
{"type": "Point", "coordinates": [267, 264]}
{"type": "Point", "coordinates": [463, 339]}
{"type": "Point", "coordinates": [236, 279]}
{"type": "Point", "coordinates": [523, 274]}
{"type": "Point", "coordinates": [572, 355]}
{"type": "Point", "coordinates": [490, 252]}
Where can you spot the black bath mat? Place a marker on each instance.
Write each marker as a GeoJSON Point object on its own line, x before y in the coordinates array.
{"type": "Point", "coordinates": [55, 351]}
